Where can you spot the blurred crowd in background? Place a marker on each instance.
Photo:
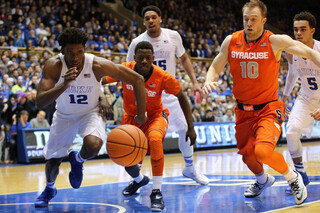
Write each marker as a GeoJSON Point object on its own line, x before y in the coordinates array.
{"type": "Point", "coordinates": [37, 24]}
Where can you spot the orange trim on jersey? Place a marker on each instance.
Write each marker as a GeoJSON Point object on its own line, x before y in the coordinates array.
{"type": "Point", "coordinates": [254, 69]}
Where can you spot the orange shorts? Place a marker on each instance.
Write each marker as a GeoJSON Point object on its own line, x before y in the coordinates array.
{"type": "Point", "coordinates": [158, 122]}
{"type": "Point", "coordinates": [256, 126]}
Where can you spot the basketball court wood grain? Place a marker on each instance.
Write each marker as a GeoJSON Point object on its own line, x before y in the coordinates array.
{"type": "Point", "coordinates": [229, 176]}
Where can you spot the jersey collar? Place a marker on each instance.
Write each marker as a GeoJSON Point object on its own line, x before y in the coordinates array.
{"type": "Point", "coordinates": [245, 37]}
{"type": "Point", "coordinates": [149, 74]}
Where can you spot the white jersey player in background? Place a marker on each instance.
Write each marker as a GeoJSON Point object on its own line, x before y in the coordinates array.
{"type": "Point", "coordinates": [167, 46]}
{"type": "Point", "coordinates": [307, 105]}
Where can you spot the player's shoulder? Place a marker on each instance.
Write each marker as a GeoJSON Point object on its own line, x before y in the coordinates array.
{"type": "Point", "coordinates": [169, 32]}
{"type": "Point", "coordinates": [54, 61]}
{"type": "Point", "coordinates": [316, 45]}
{"type": "Point", "coordinates": [139, 38]}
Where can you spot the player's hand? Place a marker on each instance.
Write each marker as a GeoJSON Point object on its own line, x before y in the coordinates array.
{"type": "Point", "coordinates": [192, 135]}
{"type": "Point", "coordinates": [208, 87]}
{"type": "Point", "coordinates": [197, 88]}
{"type": "Point", "coordinates": [70, 76]}
{"type": "Point", "coordinates": [105, 109]}
{"type": "Point", "coordinates": [141, 119]}
{"type": "Point", "coordinates": [316, 114]}
{"type": "Point", "coordinates": [285, 106]}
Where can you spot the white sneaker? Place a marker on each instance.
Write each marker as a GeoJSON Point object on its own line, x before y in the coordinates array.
{"type": "Point", "coordinates": [299, 190]}
{"type": "Point", "coordinates": [191, 172]}
{"type": "Point", "coordinates": [256, 188]}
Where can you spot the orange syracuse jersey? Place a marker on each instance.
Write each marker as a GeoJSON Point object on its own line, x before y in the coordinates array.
{"type": "Point", "coordinates": [158, 81]}
{"type": "Point", "coordinates": [254, 69]}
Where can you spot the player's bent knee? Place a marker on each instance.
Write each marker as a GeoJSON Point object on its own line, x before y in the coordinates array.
{"type": "Point", "coordinates": [156, 145]}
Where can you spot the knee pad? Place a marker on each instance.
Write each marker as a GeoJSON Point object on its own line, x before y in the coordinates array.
{"type": "Point", "coordinates": [155, 139]}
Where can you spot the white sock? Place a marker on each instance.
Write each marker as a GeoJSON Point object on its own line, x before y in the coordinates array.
{"type": "Point", "coordinates": [188, 161]}
{"type": "Point", "coordinates": [157, 182]}
{"type": "Point", "coordinates": [299, 167]}
{"type": "Point", "coordinates": [51, 185]}
{"type": "Point", "coordinates": [262, 177]}
{"type": "Point", "coordinates": [139, 178]}
{"type": "Point", "coordinates": [79, 158]}
{"type": "Point", "coordinates": [290, 174]}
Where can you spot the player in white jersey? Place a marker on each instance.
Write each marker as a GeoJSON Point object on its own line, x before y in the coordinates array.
{"type": "Point", "coordinates": [73, 79]}
{"type": "Point", "coordinates": [308, 102]}
{"type": "Point", "coordinates": [167, 45]}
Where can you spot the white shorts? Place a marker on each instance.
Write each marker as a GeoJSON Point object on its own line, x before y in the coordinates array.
{"type": "Point", "coordinates": [64, 129]}
{"type": "Point", "coordinates": [177, 121]}
{"type": "Point", "coordinates": [300, 115]}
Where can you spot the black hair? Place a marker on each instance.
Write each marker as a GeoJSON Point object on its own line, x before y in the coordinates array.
{"type": "Point", "coordinates": [143, 45]}
{"type": "Point", "coordinates": [151, 8]}
{"type": "Point", "coordinates": [72, 35]}
{"type": "Point", "coordinates": [307, 17]}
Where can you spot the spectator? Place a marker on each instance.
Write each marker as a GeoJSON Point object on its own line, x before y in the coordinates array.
{"type": "Point", "coordinates": [208, 117]}
{"type": "Point", "coordinates": [196, 115]}
{"type": "Point", "coordinates": [19, 86]}
{"type": "Point", "coordinates": [229, 116]}
{"type": "Point", "coordinates": [20, 121]}
{"type": "Point", "coordinates": [40, 121]}
{"type": "Point", "coordinates": [217, 114]}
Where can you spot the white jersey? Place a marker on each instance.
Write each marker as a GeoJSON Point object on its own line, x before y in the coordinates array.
{"type": "Point", "coordinates": [166, 48]}
{"type": "Point", "coordinates": [83, 94]}
{"type": "Point", "coordinates": [309, 74]}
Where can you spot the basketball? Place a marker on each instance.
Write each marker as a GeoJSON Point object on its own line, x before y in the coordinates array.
{"type": "Point", "coordinates": [127, 145]}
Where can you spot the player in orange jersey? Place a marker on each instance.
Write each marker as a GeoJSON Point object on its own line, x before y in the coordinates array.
{"type": "Point", "coordinates": [254, 56]}
{"type": "Point", "coordinates": [156, 81]}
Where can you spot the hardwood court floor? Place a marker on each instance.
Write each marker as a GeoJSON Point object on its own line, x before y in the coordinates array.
{"type": "Point", "coordinates": [104, 180]}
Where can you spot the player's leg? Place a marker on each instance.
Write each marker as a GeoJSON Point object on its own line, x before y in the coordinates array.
{"type": "Point", "coordinates": [52, 171]}
{"type": "Point", "coordinates": [267, 132]}
{"type": "Point", "coordinates": [92, 128]}
{"type": "Point", "coordinates": [155, 134]}
{"type": "Point", "coordinates": [299, 122]}
{"type": "Point", "coordinates": [245, 136]}
{"type": "Point", "coordinates": [178, 123]}
{"type": "Point", "coordinates": [61, 136]}
{"type": "Point", "coordinates": [134, 171]}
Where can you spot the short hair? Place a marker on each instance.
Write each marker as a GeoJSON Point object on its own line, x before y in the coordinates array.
{"type": "Point", "coordinates": [256, 3]}
{"type": "Point", "coordinates": [151, 8]}
{"type": "Point", "coordinates": [143, 45]}
{"type": "Point", "coordinates": [307, 17]}
{"type": "Point", "coordinates": [24, 112]}
{"type": "Point", "coordinates": [72, 35]}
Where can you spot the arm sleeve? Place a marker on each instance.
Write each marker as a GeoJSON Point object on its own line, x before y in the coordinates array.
{"type": "Point", "coordinates": [291, 80]}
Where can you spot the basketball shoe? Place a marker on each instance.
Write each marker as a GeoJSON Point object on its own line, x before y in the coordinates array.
{"type": "Point", "coordinates": [133, 186]}
{"type": "Point", "coordinates": [299, 190]}
{"type": "Point", "coordinates": [191, 172]}
{"type": "Point", "coordinates": [157, 204]}
{"type": "Point", "coordinates": [75, 175]}
{"type": "Point", "coordinates": [305, 179]}
{"type": "Point", "coordinates": [256, 188]}
{"type": "Point", "coordinates": [45, 197]}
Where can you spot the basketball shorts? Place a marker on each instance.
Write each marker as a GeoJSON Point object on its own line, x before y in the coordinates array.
{"type": "Point", "coordinates": [177, 121]}
{"type": "Point", "coordinates": [256, 126]}
{"type": "Point", "coordinates": [64, 129]}
{"type": "Point", "coordinates": [157, 122]}
{"type": "Point", "coordinates": [300, 114]}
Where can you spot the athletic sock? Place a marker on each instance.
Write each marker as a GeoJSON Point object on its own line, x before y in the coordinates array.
{"type": "Point", "coordinates": [79, 158]}
{"type": "Point", "coordinates": [299, 167]}
{"type": "Point", "coordinates": [51, 185]}
{"type": "Point", "coordinates": [289, 175]}
{"type": "Point", "coordinates": [139, 178]}
{"type": "Point", "coordinates": [188, 161]}
{"type": "Point", "coordinates": [262, 177]}
{"type": "Point", "coordinates": [157, 182]}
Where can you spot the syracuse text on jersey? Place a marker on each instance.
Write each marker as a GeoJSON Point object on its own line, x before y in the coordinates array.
{"type": "Point", "coordinates": [249, 55]}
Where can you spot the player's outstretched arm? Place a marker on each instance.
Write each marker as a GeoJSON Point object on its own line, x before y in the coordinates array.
{"type": "Point", "coordinates": [103, 67]}
{"type": "Point", "coordinates": [216, 67]}
{"type": "Point", "coordinates": [47, 92]}
{"type": "Point", "coordinates": [286, 43]}
{"type": "Point", "coordinates": [185, 106]}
